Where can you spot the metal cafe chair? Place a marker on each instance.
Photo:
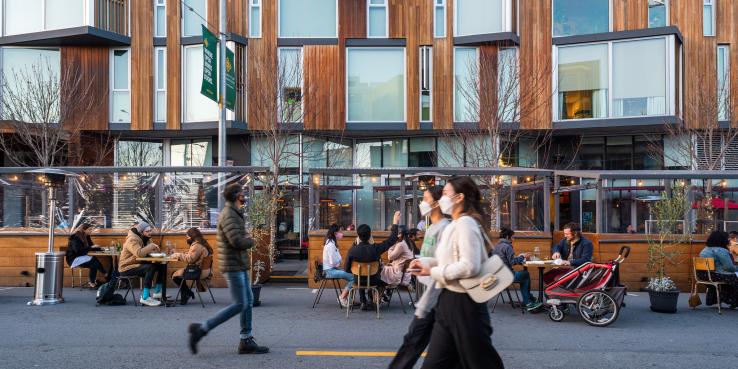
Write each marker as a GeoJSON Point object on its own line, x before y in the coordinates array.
{"type": "Point", "coordinates": [707, 265]}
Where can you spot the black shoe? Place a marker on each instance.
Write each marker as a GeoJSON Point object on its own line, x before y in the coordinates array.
{"type": "Point", "coordinates": [249, 346]}
{"type": "Point", "coordinates": [196, 334]}
{"type": "Point", "coordinates": [368, 306]}
{"type": "Point", "coordinates": [184, 299]}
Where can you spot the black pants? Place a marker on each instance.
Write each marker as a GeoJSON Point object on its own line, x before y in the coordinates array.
{"type": "Point", "coordinates": [185, 288]}
{"type": "Point", "coordinates": [147, 271]}
{"type": "Point", "coordinates": [94, 265]}
{"type": "Point", "coordinates": [728, 293]}
{"type": "Point", "coordinates": [461, 335]}
{"type": "Point", "coordinates": [415, 341]}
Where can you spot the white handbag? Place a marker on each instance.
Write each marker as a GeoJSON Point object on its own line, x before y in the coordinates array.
{"type": "Point", "coordinates": [491, 280]}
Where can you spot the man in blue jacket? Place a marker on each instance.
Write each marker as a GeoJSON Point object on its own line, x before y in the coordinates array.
{"type": "Point", "coordinates": [574, 250]}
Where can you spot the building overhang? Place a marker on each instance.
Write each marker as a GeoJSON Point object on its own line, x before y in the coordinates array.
{"type": "Point", "coordinates": [616, 125]}
{"type": "Point", "coordinates": [620, 35]}
{"type": "Point", "coordinates": [76, 36]}
{"type": "Point", "coordinates": [503, 38]}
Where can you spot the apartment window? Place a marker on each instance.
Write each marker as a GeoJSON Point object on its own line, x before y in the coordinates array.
{"type": "Point", "coordinates": [439, 18]}
{"type": "Point", "coordinates": [290, 96]}
{"type": "Point", "coordinates": [197, 107]}
{"type": "Point", "coordinates": [376, 84]}
{"type": "Point", "coordinates": [508, 85]}
{"type": "Point", "coordinates": [378, 26]}
{"type": "Point", "coordinates": [194, 13]}
{"type": "Point", "coordinates": [576, 17]}
{"type": "Point", "coordinates": [639, 78]}
{"type": "Point", "coordinates": [708, 17]}
{"type": "Point", "coordinates": [314, 18]}
{"type": "Point", "coordinates": [658, 13]}
{"type": "Point", "coordinates": [191, 153]}
{"type": "Point", "coordinates": [466, 84]}
{"type": "Point", "coordinates": [139, 153]}
{"type": "Point", "coordinates": [723, 82]}
{"type": "Point", "coordinates": [26, 16]}
{"type": "Point", "coordinates": [426, 83]}
{"type": "Point", "coordinates": [583, 81]}
{"type": "Point", "coordinates": [160, 90]}
{"type": "Point", "coordinates": [160, 18]}
{"type": "Point", "coordinates": [475, 17]}
{"type": "Point", "coordinates": [120, 94]}
{"type": "Point", "coordinates": [255, 18]}
{"type": "Point", "coordinates": [20, 65]}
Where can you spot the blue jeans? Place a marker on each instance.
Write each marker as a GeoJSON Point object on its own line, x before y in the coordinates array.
{"type": "Point", "coordinates": [523, 278]}
{"type": "Point", "coordinates": [243, 301]}
{"type": "Point", "coordinates": [338, 273]}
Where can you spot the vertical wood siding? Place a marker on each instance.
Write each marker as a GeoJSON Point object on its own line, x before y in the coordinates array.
{"type": "Point", "coordinates": [92, 63]}
{"type": "Point", "coordinates": [262, 71]}
{"type": "Point", "coordinates": [142, 66]}
{"type": "Point", "coordinates": [629, 15]}
{"type": "Point", "coordinates": [536, 64]}
{"type": "Point", "coordinates": [174, 65]}
{"type": "Point", "coordinates": [443, 74]}
{"type": "Point", "coordinates": [321, 81]}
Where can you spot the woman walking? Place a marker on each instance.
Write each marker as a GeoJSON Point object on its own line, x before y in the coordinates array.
{"type": "Point", "coordinates": [462, 332]}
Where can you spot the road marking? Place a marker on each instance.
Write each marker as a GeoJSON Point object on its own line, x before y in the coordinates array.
{"type": "Point", "coordinates": [296, 288]}
{"type": "Point", "coordinates": [349, 353]}
{"type": "Point", "coordinates": [6, 288]}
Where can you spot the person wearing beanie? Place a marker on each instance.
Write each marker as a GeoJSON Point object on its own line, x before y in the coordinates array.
{"type": "Point", "coordinates": [138, 244]}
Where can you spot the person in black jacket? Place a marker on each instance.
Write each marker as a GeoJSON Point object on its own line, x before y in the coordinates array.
{"type": "Point", "coordinates": [365, 252]}
{"type": "Point", "coordinates": [79, 244]}
{"type": "Point", "coordinates": [574, 250]}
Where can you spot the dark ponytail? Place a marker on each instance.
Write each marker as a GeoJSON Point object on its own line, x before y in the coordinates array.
{"type": "Point", "coordinates": [331, 234]}
{"type": "Point", "coordinates": [472, 205]}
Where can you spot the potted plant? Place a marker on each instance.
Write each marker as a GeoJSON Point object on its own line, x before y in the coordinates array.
{"type": "Point", "coordinates": [259, 210]}
{"type": "Point", "coordinates": [668, 213]}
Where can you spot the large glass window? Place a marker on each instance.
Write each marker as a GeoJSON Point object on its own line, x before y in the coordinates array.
{"type": "Point", "coordinates": [290, 70]}
{"type": "Point", "coordinates": [639, 78]}
{"type": "Point", "coordinates": [308, 18]}
{"type": "Point", "coordinates": [160, 18]}
{"type": "Point", "coordinates": [475, 17]}
{"type": "Point", "coordinates": [192, 20]}
{"type": "Point", "coordinates": [708, 17]}
{"type": "Point", "coordinates": [160, 89]}
{"type": "Point", "coordinates": [25, 16]}
{"type": "Point", "coordinates": [191, 153]}
{"type": "Point", "coordinates": [576, 17]}
{"type": "Point", "coordinates": [426, 83]}
{"type": "Point", "coordinates": [21, 66]}
{"type": "Point", "coordinates": [466, 84]}
{"type": "Point", "coordinates": [394, 153]}
{"type": "Point", "coordinates": [583, 81]}
{"type": "Point", "coordinates": [120, 92]}
{"type": "Point", "coordinates": [377, 25]}
{"type": "Point", "coordinates": [508, 83]}
{"type": "Point", "coordinates": [439, 18]}
{"type": "Point", "coordinates": [723, 82]}
{"type": "Point", "coordinates": [450, 152]}
{"type": "Point", "coordinates": [369, 154]}
{"type": "Point", "coordinates": [254, 18]}
{"type": "Point", "coordinates": [139, 153]}
{"type": "Point", "coordinates": [658, 13]}
{"type": "Point", "coordinates": [376, 84]}
{"type": "Point", "coordinates": [197, 107]}
{"type": "Point", "coordinates": [422, 152]}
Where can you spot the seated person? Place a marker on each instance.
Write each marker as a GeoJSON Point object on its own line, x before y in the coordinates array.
{"type": "Point", "coordinates": [366, 252]}
{"type": "Point", "coordinates": [332, 262]}
{"type": "Point", "coordinates": [80, 243]}
{"type": "Point", "coordinates": [411, 240]}
{"type": "Point", "coordinates": [138, 244]}
{"type": "Point", "coordinates": [716, 248]}
{"type": "Point", "coordinates": [504, 249]}
{"type": "Point", "coordinates": [398, 254]}
{"type": "Point", "coordinates": [733, 246]}
{"type": "Point", "coordinates": [574, 250]}
{"type": "Point", "coordinates": [198, 251]}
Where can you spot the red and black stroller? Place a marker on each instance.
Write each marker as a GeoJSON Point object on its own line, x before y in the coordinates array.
{"type": "Point", "coordinates": [592, 289]}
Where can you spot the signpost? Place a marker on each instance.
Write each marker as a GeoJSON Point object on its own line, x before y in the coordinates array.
{"type": "Point", "coordinates": [210, 64]}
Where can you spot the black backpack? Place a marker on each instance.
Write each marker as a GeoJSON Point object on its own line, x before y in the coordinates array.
{"type": "Point", "coordinates": [106, 294]}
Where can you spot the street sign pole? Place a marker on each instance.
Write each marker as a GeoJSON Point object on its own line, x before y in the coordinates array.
{"type": "Point", "coordinates": [222, 100]}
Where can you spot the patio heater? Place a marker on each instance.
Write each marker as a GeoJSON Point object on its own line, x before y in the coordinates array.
{"type": "Point", "coordinates": [50, 264]}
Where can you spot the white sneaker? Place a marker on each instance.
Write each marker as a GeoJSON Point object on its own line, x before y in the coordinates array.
{"type": "Point", "coordinates": [156, 295]}
{"type": "Point", "coordinates": [149, 302]}
{"type": "Point", "coordinates": [343, 301]}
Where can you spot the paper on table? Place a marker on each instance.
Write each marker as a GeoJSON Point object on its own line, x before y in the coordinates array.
{"type": "Point", "coordinates": [558, 262]}
{"type": "Point", "coordinates": [79, 260]}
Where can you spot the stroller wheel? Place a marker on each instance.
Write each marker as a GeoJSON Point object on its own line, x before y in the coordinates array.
{"type": "Point", "coordinates": [597, 308]}
{"type": "Point", "coordinates": [556, 314]}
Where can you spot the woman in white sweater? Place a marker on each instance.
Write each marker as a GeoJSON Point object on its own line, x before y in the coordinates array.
{"type": "Point", "coordinates": [462, 332]}
{"type": "Point", "coordinates": [332, 262]}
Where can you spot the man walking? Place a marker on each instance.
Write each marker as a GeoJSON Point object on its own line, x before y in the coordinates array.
{"type": "Point", "coordinates": [233, 260]}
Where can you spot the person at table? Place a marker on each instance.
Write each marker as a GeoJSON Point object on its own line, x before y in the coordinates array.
{"type": "Point", "coordinates": [573, 251]}
{"type": "Point", "coordinates": [398, 254]}
{"type": "Point", "coordinates": [79, 244]}
{"type": "Point", "coordinates": [198, 251]}
{"type": "Point", "coordinates": [504, 249]}
{"type": "Point", "coordinates": [366, 252]}
{"type": "Point", "coordinates": [733, 246]}
{"type": "Point", "coordinates": [716, 248]}
{"type": "Point", "coordinates": [332, 262]}
{"type": "Point", "coordinates": [138, 245]}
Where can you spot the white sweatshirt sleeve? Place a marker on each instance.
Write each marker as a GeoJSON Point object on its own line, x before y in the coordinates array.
{"type": "Point", "coordinates": [469, 241]}
{"type": "Point", "coordinates": [331, 256]}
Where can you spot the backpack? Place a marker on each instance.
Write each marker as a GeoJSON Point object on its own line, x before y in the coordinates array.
{"type": "Point", "coordinates": [106, 294]}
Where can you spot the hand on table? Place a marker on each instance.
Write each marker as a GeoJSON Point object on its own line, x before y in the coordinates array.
{"type": "Point", "coordinates": [556, 255]}
{"type": "Point", "coordinates": [526, 255]}
{"type": "Point", "coordinates": [565, 262]}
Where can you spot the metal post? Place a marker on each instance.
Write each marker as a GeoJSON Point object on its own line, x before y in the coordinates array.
{"type": "Point", "coordinates": [598, 208]}
{"type": "Point", "coordinates": [222, 97]}
{"type": "Point", "coordinates": [557, 198]}
{"type": "Point", "coordinates": [513, 206]}
{"type": "Point", "coordinates": [51, 218]}
{"type": "Point", "coordinates": [311, 203]}
{"type": "Point", "coordinates": [546, 204]}
{"type": "Point", "coordinates": [414, 210]}
{"type": "Point", "coordinates": [402, 200]}
{"type": "Point", "coordinates": [71, 206]}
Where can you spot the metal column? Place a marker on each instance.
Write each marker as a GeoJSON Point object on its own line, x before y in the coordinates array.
{"type": "Point", "coordinates": [599, 216]}
{"type": "Point", "coordinates": [513, 207]}
{"type": "Point", "coordinates": [557, 198]}
{"type": "Point", "coordinates": [547, 204]}
{"type": "Point", "coordinates": [414, 210]}
{"type": "Point", "coordinates": [402, 200]}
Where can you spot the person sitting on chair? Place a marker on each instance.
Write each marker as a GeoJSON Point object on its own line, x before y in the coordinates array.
{"type": "Point", "coordinates": [137, 245]}
{"type": "Point", "coordinates": [574, 250]}
{"type": "Point", "coordinates": [398, 254]}
{"type": "Point", "coordinates": [504, 249]}
{"type": "Point", "coordinates": [716, 247]}
{"type": "Point", "coordinates": [332, 262]}
{"type": "Point", "coordinates": [80, 243]}
{"type": "Point", "coordinates": [198, 251]}
{"type": "Point", "coordinates": [733, 245]}
{"type": "Point", "coordinates": [411, 240]}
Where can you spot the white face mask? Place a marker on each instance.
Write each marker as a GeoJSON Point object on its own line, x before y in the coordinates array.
{"type": "Point", "coordinates": [425, 208]}
{"type": "Point", "coordinates": [447, 204]}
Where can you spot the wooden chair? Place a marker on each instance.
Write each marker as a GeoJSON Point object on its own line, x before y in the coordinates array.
{"type": "Point", "coordinates": [206, 264]}
{"type": "Point", "coordinates": [363, 273]}
{"type": "Point", "coordinates": [395, 288]}
{"type": "Point", "coordinates": [707, 265]}
{"type": "Point", "coordinates": [319, 276]}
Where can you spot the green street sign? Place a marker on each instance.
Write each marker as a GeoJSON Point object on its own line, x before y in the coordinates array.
{"type": "Point", "coordinates": [210, 65]}
{"type": "Point", "coordinates": [230, 80]}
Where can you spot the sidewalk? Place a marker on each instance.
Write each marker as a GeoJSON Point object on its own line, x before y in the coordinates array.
{"type": "Point", "coordinates": [79, 334]}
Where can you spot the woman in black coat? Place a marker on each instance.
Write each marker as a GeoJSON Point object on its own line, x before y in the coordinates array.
{"type": "Point", "coordinates": [80, 243]}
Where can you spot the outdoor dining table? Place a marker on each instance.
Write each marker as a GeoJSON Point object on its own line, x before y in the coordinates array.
{"type": "Point", "coordinates": [541, 265]}
{"type": "Point", "coordinates": [161, 260]}
{"type": "Point", "coordinates": [113, 255]}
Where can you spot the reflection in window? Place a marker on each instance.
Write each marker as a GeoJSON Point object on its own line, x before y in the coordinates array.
{"type": "Point", "coordinates": [197, 107]}
{"type": "Point", "coordinates": [286, 150]}
{"type": "Point", "coordinates": [290, 72]}
{"type": "Point", "coordinates": [426, 82]}
{"type": "Point", "coordinates": [477, 17]}
{"type": "Point", "coordinates": [300, 18]}
{"type": "Point", "coordinates": [422, 152]}
{"type": "Point", "coordinates": [583, 81]}
{"type": "Point", "coordinates": [450, 152]}
{"type": "Point", "coordinates": [708, 17]}
{"type": "Point", "coordinates": [26, 16]}
{"type": "Point", "coordinates": [160, 18]}
{"type": "Point", "coordinates": [508, 84]}
{"type": "Point", "coordinates": [377, 23]}
{"type": "Point", "coordinates": [21, 66]}
{"type": "Point", "coordinates": [191, 153]}
{"type": "Point", "coordinates": [161, 85]}
{"type": "Point", "coordinates": [723, 82]}
{"type": "Point", "coordinates": [466, 82]}
{"type": "Point", "coordinates": [192, 20]}
{"type": "Point", "coordinates": [255, 18]}
{"type": "Point", "coordinates": [576, 17]}
{"type": "Point", "coordinates": [394, 153]}
{"type": "Point", "coordinates": [657, 13]}
{"type": "Point", "coordinates": [439, 18]}
{"type": "Point", "coordinates": [639, 78]}
{"type": "Point", "coordinates": [369, 154]}
{"type": "Point", "coordinates": [120, 105]}
{"type": "Point", "coordinates": [139, 153]}
{"type": "Point", "coordinates": [376, 85]}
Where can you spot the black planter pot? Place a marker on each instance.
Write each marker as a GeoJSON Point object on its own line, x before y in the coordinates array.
{"type": "Point", "coordinates": [256, 289]}
{"type": "Point", "coordinates": [664, 301]}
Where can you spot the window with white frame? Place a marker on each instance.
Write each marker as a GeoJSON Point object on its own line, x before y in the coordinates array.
{"type": "Point", "coordinates": [375, 79]}
{"type": "Point", "coordinates": [194, 14]}
{"type": "Point", "coordinates": [160, 87]}
{"type": "Point", "coordinates": [576, 17]}
{"type": "Point", "coordinates": [191, 153]}
{"type": "Point", "coordinates": [476, 17]}
{"type": "Point", "coordinates": [508, 84]}
{"type": "Point", "coordinates": [160, 18]}
{"type": "Point", "coordinates": [583, 81]}
{"type": "Point", "coordinates": [377, 24]}
{"type": "Point", "coordinates": [290, 80]}
{"type": "Point", "coordinates": [120, 91]}
{"type": "Point", "coordinates": [658, 13]}
{"type": "Point", "coordinates": [255, 18]}
{"type": "Point", "coordinates": [308, 18]}
{"type": "Point", "coordinates": [26, 16]}
{"type": "Point", "coordinates": [426, 83]}
{"type": "Point", "coordinates": [466, 84]}
{"type": "Point", "coordinates": [439, 18]}
{"type": "Point", "coordinates": [197, 107]}
{"type": "Point", "coordinates": [708, 17]}
{"type": "Point", "coordinates": [18, 67]}
{"type": "Point", "coordinates": [723, 82]}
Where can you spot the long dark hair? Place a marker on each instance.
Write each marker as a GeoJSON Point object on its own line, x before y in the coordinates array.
{"type": "Point", "coordinates": [331, 234]}
{"type": "Point", "coordinates": [80, 233]}
{"type": "Point", "coordinates": [472, 204]}
{"type": "Point", "coordinates": [436, 192]}
{"type": "Point", "coordinates": [717, 239]}
{"type": "Point", "coordinates": [196, 236]}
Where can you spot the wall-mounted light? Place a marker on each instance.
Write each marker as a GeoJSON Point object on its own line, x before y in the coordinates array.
{"type": "Point", "coordinates": [640, 183]}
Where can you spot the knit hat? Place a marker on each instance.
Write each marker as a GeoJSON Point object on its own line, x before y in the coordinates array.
{"type": "Point", "coordinates": [141, 226]}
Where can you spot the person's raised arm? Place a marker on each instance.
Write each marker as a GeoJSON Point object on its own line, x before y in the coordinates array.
{"type": "Point", "coordinates": [392, 239]}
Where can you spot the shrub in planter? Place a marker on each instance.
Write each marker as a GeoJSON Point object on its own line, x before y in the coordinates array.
{"type": "Point", "coordinates": [663, 295]}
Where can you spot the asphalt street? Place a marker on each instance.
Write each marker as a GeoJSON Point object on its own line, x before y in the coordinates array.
{"type": "Point", "coordinates": [81, 335]}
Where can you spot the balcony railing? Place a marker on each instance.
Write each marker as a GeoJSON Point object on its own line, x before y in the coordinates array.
{"type": "Point", "coordinates": [113, 15]}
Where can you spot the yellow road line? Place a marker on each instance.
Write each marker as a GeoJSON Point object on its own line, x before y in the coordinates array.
{"type": "Point", "coordinates": [348, 353]}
